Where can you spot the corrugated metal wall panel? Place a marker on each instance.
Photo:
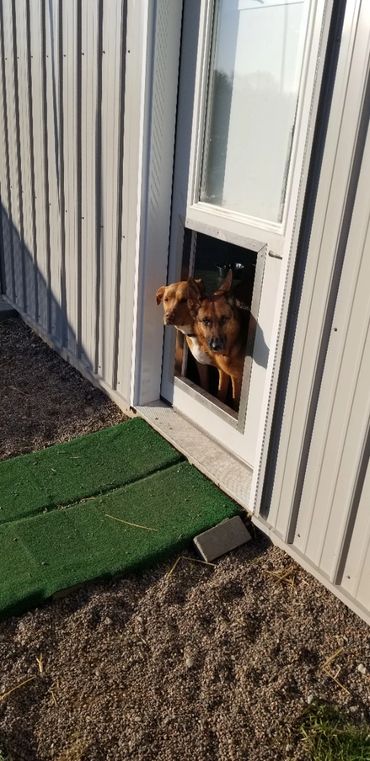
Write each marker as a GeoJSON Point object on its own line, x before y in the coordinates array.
{"type": "Point", "coordinates": [135, 92]}
{"type": "Point", "coordinates": [42, 245]}
{"type": "Point", "coordinates": [159, 138]}
{"type": "Point", "coordinates": [339, 437]}
{"type": "Point", "coordinates": [111, 176]}
{"type": "Point", "coordinates": [52, 125]}
{"type": "Point", "coordinates": [90, 89]}
{"type": "Point", "coordinates": [318, 482]}
{"type": "Point", "coordinates": [71, 145]}
{"type": "Point", "coordinates": [323, 264]}
{"type": "Point", "coordinates": [61, 173]}
{"type": "Point", "coordinates": [25, 153]}
{"type": "Point", "coordinates": [6, 250]}
{"type": "Point", "coordinates": [13, 156]}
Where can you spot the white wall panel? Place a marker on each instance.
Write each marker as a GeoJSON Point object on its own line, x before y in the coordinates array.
{"type": "Point", "coordinates": [318, 476]}
{"type": "Point", "coordinates": [52, 141]}
{"type": "Point", "coordinates": [342, 418]}
{"type": "Point", "coordinates": [7, 268]}
{"type": "Point", "coordinates": [63, 114]}
{"type": "Point", "coordinates": [111, 179]}
{"type": "Point", "coordinates": [90, 106]}
{"type": "Point", "coordinates": [42, 243]}
{"type": "Point", "coordinates": [24, 152]}
{"type": "Point", "coordinates": [12, 112]}
{"type": "Point", "coordinates": [356, 568]}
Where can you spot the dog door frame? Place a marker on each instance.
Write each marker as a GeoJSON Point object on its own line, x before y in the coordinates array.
{"type": "Point", "coordinates": [233, 418]}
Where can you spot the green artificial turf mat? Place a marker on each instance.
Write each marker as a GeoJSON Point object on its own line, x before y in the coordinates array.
{"type": "Point", "coordinates": [43, 554]}
{"type": "Point", "coordinates": [93, 464]}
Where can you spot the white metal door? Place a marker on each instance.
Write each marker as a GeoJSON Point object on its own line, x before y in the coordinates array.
{"type": "Point", "coordinates": [244, 113]}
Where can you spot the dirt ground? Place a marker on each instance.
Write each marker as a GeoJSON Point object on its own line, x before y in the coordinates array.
{"type": "Point", "coordinates": [43, 400]}
{"type": "Point", "coordinates": [208, 663]}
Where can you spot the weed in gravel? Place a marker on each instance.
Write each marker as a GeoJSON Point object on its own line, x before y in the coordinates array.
{"type": "Point", "coordinates": [329, 735]}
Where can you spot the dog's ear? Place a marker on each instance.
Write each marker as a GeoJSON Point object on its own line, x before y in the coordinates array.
{"type": "Point", "coordinates": [195, 289]}
{"type": "Point", "coordinates": [160, 293]}
{"type": "Point", "coordinates": [226, 285]}
{"type": "Point", "coordinates": [200, 284]}
{"type": "Point", "coordinates": [195, 294]}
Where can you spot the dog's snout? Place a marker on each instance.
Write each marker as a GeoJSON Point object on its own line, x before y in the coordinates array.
{"type": "Point", "coordinates": [216, 344]}
{"type": "Point", "coordinates": [170, 318]}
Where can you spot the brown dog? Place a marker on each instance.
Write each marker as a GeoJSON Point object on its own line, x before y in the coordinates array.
{"type": "Point", "coordinates": [174, 298]}
{"type": "Point", "coordinates": [222, 333]}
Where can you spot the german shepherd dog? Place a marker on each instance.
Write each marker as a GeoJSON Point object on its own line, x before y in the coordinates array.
{"type": "Point", "coordinates": [221, 328]}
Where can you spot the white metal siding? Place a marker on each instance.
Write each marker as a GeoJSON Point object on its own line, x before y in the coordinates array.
{"type": "Point", "coordinates": [338, 443]}
{"type": "Point", "coordinates": [356, 571]}
{"type": "Point", "coordinates": [318, 502]}
{"type": "Point", "coordinates": [159, 136]}
{"type": "Point", "coordinates": [62, 172]}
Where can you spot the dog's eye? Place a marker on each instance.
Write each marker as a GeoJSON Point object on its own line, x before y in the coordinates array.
{"type": "Point", "coordinates": [183, 301]}
{"type": "Point", "coordinates": [206, 322]}
{"type": "Point", "coordinates": [166, 298]}
{"type": "Point", "coordinates": [223, 320]}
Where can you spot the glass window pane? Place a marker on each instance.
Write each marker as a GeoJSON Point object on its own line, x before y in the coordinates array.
{"type": "Point", "coordinates": [254, 80]}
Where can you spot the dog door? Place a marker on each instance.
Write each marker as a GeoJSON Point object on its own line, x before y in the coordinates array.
{"type": "Point", "coordinates": [211, 262]}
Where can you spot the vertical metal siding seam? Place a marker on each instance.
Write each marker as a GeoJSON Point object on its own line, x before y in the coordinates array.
{"type": "Point", "coordinates": [352, 514]}
{"type": "Point", "coordinates": [63, 284]}
{"type": "Point", "coordinates": [12, 143]}
{"type": "Point", "coordinates": [110, 157]}
{"type": "Point", "coordinates": [32, 159]}
{"type": "Point", "coordinates": [7, 161]}
{"type": "Point", "coordinates": [88, 115]}
{"type": "Point", "coordinates": [120, 200]}
{"type": "Point", "coordinates": [51, 38]}
{"type": "Point", "coordinates": [2, 208]}
{"type": "Point", "coordinates": [19, 160]}
{"type": "Point", "coordinates": [46, 165]}
{"type": "Point", "coordinates": [98, 179]}
{"type": "Point", "coordinates": [70, 176]}
{"type": "Point", "coordinates": [2, 262]}
{"type": "Point", "coordinates": [79, 177]}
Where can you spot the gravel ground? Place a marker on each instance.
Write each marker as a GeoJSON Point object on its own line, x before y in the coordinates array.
{"type": "Point", "coordinates": [207, 663]}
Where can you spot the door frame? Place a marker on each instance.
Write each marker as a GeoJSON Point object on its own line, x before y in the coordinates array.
{"type": "Point", "coordinates": [154, 66]}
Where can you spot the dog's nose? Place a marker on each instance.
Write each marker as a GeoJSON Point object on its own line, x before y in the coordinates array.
{"type": "Point", "coordinates": [216, 344]}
